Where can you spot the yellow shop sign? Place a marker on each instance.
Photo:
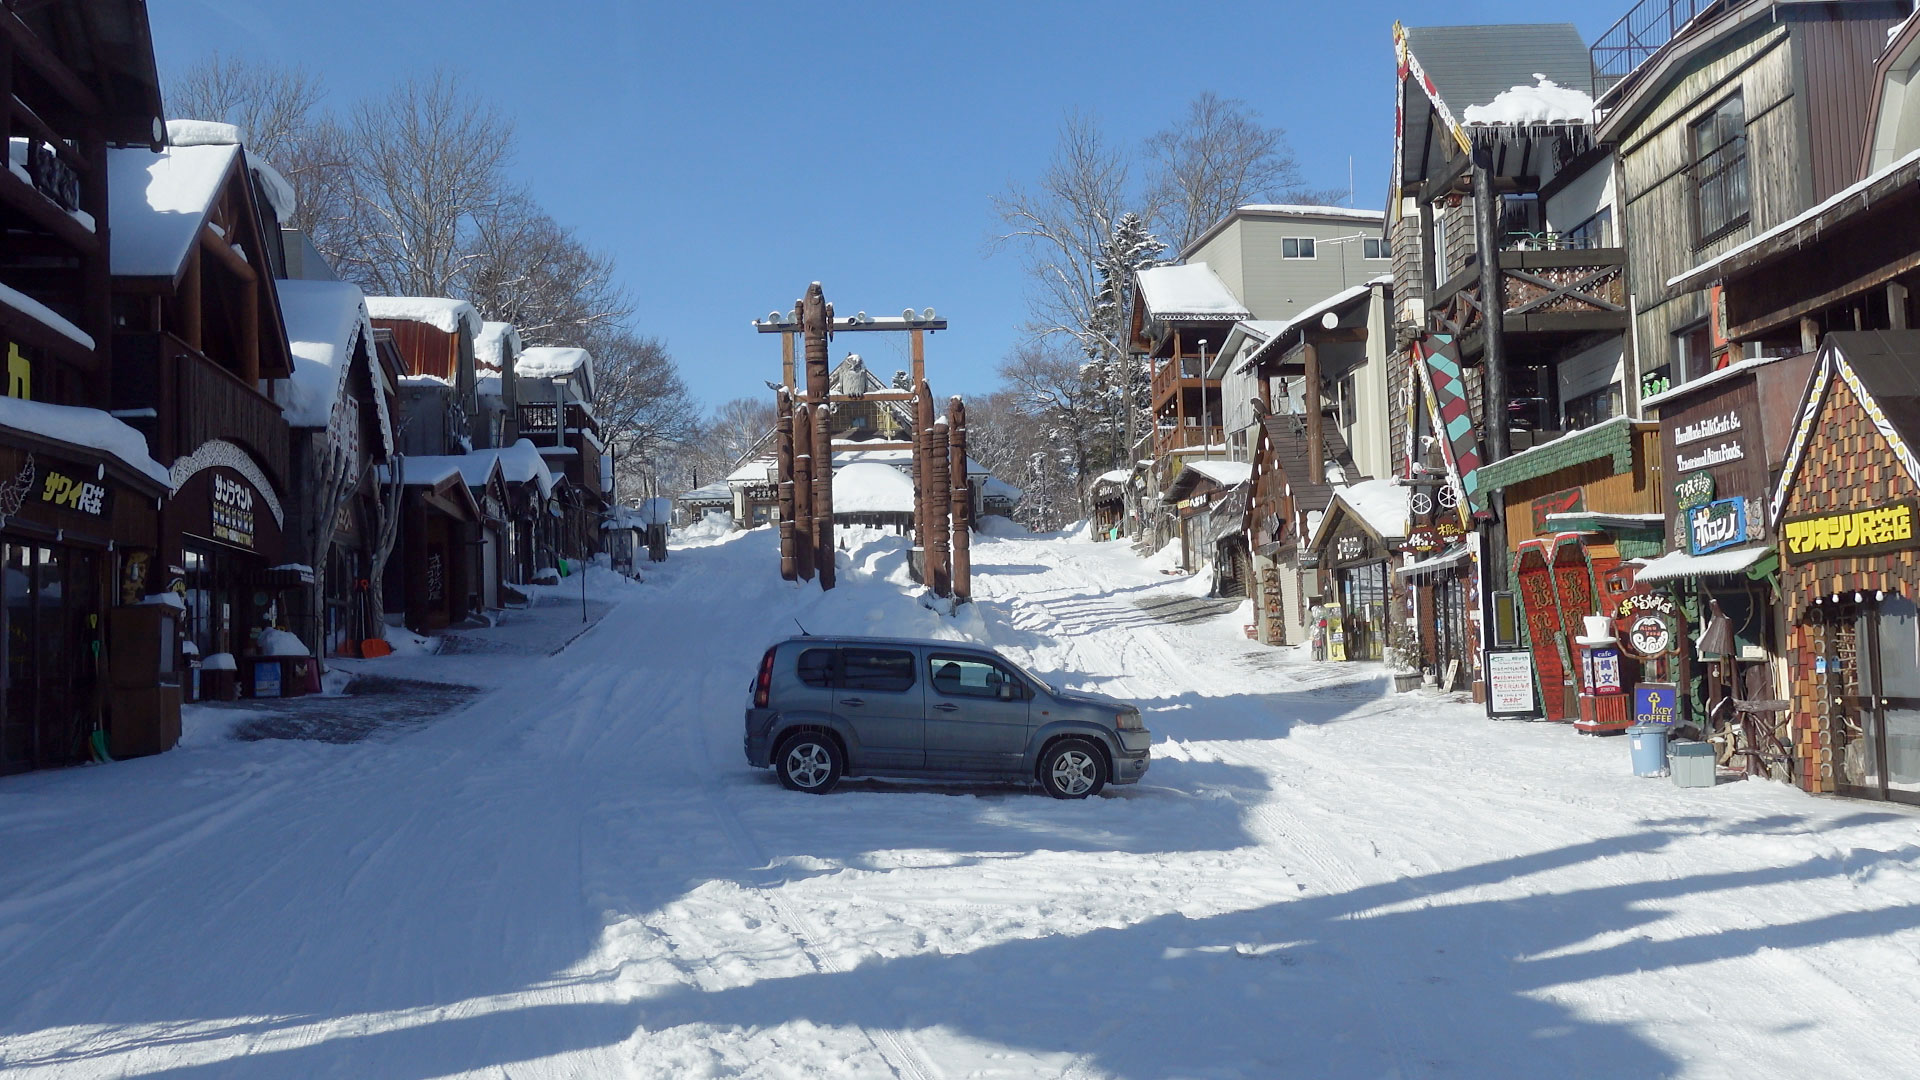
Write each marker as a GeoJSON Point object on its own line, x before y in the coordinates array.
{"type": "Point", "coordinates": [1849, 533]}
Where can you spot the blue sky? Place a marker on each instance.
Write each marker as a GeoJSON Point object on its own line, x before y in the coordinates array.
{"type": "Point", "coordinates": [727, 154]}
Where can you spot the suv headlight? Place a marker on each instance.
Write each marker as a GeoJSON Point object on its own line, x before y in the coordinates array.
{"type": "Point", "coordinates": [1129, 721]}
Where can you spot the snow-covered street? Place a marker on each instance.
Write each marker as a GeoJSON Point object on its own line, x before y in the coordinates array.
{"type": "Point", "coordinates": [578, 875]}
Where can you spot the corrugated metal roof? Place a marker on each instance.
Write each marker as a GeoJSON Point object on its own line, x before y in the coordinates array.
{"type": "Point", "coordinates": [1471, 65]}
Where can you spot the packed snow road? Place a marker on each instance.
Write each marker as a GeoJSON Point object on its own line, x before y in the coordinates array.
{"type": "Point", "coordinates": [578, 876]}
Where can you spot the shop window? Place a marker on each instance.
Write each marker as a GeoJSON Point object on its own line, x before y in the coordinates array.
{"type": "Point", "coordinates": [1693, 351]}
{"type": "Point", "coordinates": [1722, 196]}
{"type": "Point", "coordinates": [1597, 407]}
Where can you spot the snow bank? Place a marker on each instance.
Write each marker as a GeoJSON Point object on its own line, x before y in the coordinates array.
{"type": "Point", "coordinates": [1545, 102]}
{"type": "Point", "coordinates": [439, 312]}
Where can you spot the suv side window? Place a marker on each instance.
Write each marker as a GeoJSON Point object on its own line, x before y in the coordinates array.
{"type": "Point", "coordinates": [968, 676]}
{"type": "Point", "coordinates": [876, 669]}
{"type": "Point", "coordinates": [816, 667]}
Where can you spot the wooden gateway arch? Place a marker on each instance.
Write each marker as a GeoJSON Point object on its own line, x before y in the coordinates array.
{"type": "Point", "coordinates": [943, 497]}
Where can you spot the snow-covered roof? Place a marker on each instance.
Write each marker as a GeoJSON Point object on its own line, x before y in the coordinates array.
{"type": "Point", "coordinates": [752, 472]}
{"type": "Point", "coordinates": [44, 315]}
{"type": "Point", "coordinates": [548, 361]}
{"type": "Point", "coordinates": [492, 344]}
{"type": "Point", "coordinates": [1275, 329]}
{"type": "Point", "coordinates": [441, 313]}
{"type": "Point", "coordinates": [203, 133]}
{"type": "Point", "coordinates": [1305, 210]}
{"type": "Point", "coordinates": [158, 202]}
{"type": "Point", "coordinates": [715, 492]}
{"type": "Point", "coordinates": [323, 318]}
{"type": "Point", "coordinates": [89, 428]}
{"type": "Point", "coordinates": [519, 464]}
{"type": "Point", "coordinates": [429, 469]}
{"type": "Point", "coordinates": [1545, 102]}
{"type": "Point", "coordinates": [1227, 473]}
{"type": "Point", "coordinates": [1679, 564]}
{"type": "Point", "coordinates": [995, 488]}
{"type": "Point", "coordinates": [1382, 504]}
{"type": "Point", "coordinates": [870, 488]}
{"type": "Point", "coordinates": [1113, 476]}
{"type": "Point", "coordinates": [1190, 293]}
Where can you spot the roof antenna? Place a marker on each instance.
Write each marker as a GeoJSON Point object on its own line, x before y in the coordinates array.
{"type": "Point", "coordinates": [803, 630]}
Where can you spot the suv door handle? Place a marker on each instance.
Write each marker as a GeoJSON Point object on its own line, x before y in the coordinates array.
{"type": "Point", "coordinates": [854, 701]}
{"type": "Point", "coordinates": [947, 706]}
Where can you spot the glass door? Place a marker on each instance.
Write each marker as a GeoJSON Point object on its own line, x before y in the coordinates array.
{"type": "Point", "coordinates": [1890, 721]}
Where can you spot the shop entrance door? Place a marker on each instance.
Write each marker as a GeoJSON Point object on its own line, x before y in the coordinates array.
{"type": "Point", "coordinates": [1881, 755]}
{"type": "Point", "coordinates": [1363, 602]}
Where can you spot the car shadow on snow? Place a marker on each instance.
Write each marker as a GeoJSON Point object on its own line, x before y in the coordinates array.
{"type": "Point", "coordinates": [1421, 976]}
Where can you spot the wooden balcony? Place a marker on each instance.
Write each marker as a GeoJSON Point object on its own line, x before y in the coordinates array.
{"type": "Point", "coordinates": [1172, 439]}
{"type": "Point", "coordinates": [194, 400]}
{"type": "Point", "coordinates": [1172, 376]}
{"type": "Point", "coordinates": [1548, 292]}
{"type": "Point", "coordinates": [536, 418]}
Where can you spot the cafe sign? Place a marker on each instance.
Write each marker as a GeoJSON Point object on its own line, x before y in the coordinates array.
{"type": "Point", "coordinates": [1718, 524]}
{"type": "Point", "coordinates": [1849, 533]}
{"type": "Point", "coordinates": [1694, 490]}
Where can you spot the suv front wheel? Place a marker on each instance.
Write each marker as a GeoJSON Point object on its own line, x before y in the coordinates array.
{"type": "Point", "coordinates": [1073, 769]}
{"type": "Point", "coordinates": [809, 762]}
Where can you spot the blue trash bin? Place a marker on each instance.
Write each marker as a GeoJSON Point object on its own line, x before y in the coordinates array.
{"type": "Point", "coordinates": [1649, 745]}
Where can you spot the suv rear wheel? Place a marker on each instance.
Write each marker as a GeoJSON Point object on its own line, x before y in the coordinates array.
{"type": "Point", "coordinates": [809, 762]}
{"type": "Point", "coordinates": [1073, 769]}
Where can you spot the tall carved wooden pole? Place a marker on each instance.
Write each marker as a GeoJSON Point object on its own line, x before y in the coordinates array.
{"type": "Point", "coordinates": [816, 317]}
{"type": "Point", "coordinates": [939, 499]}
{"type": "Point", "coordinates": [922, 478]}
{"type": "Point", "coordinates": [823, 494]}
{"type": "Point", "coordinates": [962, 499]}
{"type": "Point", "coordinates": [803, 492]}
{"type": "Point", "coordinates": [783, 457]}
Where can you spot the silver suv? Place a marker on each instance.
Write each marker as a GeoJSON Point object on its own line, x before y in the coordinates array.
{"type": "Point", "coordinates": [827, 707]}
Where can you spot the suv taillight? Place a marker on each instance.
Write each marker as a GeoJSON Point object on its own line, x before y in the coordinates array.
{"type": "Point", "coordinates": [763, 685]}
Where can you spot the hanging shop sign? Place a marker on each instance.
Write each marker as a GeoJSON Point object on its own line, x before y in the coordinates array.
{"type": "Point", "coordinates": [1692, 491]}
{"type": "Point", "coordinates": [1510, 683]}
{"type": "Point", "coordinates": [1849, 533]}
{"type": "Point", "coordinates": [1718, 524]}
{"type": "Point", "coordinates": [1570, 501]}
{"type": "Point", "coordinates": [1655, 703]}
{"type": "Point", "coordinates": [232, 511]}
{"type": "Point", "coordinates": [1450, 529]}
{"type": "Point", "coordinates": [1423, 540]}
{"type": "Point", "coordinates": [1648, 624]}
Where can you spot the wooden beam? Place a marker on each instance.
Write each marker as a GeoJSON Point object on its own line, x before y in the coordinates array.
{"type": "Point", "coordinates": [876, 444]}
{"type": "Point", "coordinates": [878, 395]}
{"type": "Point", "coordinates": [232, 261]}
{"type": "Point", "coordinates": [188, 301]}
{"type": "Point", "coordinates": [1896, 306]}
{"type": "Point", "coordinates": [1883, 275]}
{"type": "Point", "coordinates": [27, 199]}
{"type": "Point", "coordinates": [786, 361]}
{"type": "Point", "coordinates": [848, 326]}
{"type": "Point", "coordinates": [918, 345]}
{"type": "Point", "coordinates": [1316, 430]}
{"type": "Point", "coordinates": [29, 49]}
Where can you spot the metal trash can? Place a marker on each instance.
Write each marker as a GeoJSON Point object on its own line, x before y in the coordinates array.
{"type": "Point", "coordinates": [1649, 745]}
{"type": "Point", "coordinates": [1693, 764]}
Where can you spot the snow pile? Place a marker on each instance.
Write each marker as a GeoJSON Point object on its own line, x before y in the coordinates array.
{"type": "Point", "coordinates": [711, 526]}
{"type": "Point", "coordinates": [1191, 293]}
{"type": "Point", "coordinates": [159, 202]}
{"type": "Point", "coordinates": [867, 488]}
{"type": "Point", "coordinates": [439, 312]}
{"type": "Point", "coordinates": [495, 342]}
{"type": "Point", "coordinates": [89, 428]}
{"type": "Point", "coordinates": [279, 643]}
{"type": "Point", "coordinates": [1545, 102]}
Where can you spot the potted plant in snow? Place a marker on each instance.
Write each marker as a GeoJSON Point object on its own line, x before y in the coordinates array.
{"type": "Point", "coordinates": [1405, 662]}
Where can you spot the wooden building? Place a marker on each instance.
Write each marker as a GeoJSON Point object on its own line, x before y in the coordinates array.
{"type": "Point", "coordinates": [1181, 318]}
{"type": "Point", "coordinates": [80, 493]}
{"type": "Point", "coordinates": [198, 340]}
{"type": "Point", "coordinates": [1725, 125]}
{"type": "Point", "coordinates": [1355, 544]}
{"type": "Point", "coordinates": [555, 385]}
{"type": "Point", "coordinates": [1284, 495]}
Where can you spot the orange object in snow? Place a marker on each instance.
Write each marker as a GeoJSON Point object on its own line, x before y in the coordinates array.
{"type": "Point", "coordinates": [374, 647]}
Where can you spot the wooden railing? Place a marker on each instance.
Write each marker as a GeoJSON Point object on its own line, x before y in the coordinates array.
{"type": "Point", "coordinates": [1564, 290]}
{"type": "Point", "coordinates": [537, 417]}
{"type": "Point", "coordinates": [1173, 375]}
{"type": "Point", "coordinates": [194, 400]}
{"type": "Point", "coordinates": [1190, 436]}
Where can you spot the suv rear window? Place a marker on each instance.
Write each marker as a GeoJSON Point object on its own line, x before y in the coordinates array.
{"type": "Point", "coordinates": [816, 667]}
{"type": "Point", "coordinates": [876, 669]}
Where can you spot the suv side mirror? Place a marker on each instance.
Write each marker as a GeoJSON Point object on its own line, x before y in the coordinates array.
{"type": "Point", "coordinates": [1004, 692]}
